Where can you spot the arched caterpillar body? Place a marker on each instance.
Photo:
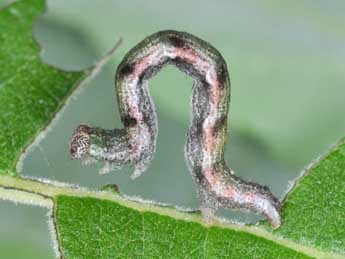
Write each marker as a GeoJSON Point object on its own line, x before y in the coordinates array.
{"type": "Point", "coordinates": [216, 184]}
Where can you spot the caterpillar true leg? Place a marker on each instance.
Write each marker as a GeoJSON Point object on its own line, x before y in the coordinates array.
{"type": "Point", "coordinates": [217, 186]}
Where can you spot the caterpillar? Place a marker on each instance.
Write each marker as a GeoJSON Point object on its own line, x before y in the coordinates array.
{"type": "Point", "coordinates": [216, 185]}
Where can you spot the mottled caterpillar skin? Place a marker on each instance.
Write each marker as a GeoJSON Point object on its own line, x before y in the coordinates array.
{"type": "Point", "coordinates": [216, 184]}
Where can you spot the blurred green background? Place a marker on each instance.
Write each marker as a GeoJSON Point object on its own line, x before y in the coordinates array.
{"type": "Point", "coordinates": [286, 62]}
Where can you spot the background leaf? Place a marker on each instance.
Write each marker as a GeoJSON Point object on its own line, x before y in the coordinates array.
{"type": "Point", "coordinates": [30, 91]}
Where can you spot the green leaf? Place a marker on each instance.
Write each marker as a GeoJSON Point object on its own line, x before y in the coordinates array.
{"type": "Point", "coordinates": [314, 212]}
{"type": "Point", "coordinates": [93, 228]}
{"type": "Point", "coordinates": [30, 91]}
{"type": "Point", "coordinates": [91, 224]}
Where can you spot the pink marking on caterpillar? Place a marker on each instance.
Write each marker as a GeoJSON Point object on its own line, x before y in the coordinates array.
{"type": "Point", "coordinates": [216, 184]}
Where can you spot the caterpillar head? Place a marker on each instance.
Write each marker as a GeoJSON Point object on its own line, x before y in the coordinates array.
{"type": "Point", "coordinates": [80, 143]}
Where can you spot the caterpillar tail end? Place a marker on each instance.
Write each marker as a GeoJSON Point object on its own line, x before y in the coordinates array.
{"type": "Point", "coordinates": [261, 200]}
{"type": "Point", "coordinates": [225, 190]}
{"type": "Point", "coordinates": [272, 211]}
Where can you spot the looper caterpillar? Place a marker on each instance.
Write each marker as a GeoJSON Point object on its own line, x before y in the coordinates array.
{"type": "Point", "coordinates": [216, 184]}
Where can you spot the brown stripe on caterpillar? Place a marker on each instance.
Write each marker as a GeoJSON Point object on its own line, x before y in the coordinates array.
{"type": "Point", "coordinates": [222, 74]}
{"type": "Point", "coordinates": [176, 42]}
{"type": "Point", "coordinates": [220, 123]}
{"type": "Point", "coordinates": [198, 174]}
{"type": "Point", "coordinates": [125, 69]}
{"type": "Point", "coordinates": [185, 66]}
{"type": "Point", "coordinates": [150, 71]}
{"type": "Point", "coordinates": [129, 121]}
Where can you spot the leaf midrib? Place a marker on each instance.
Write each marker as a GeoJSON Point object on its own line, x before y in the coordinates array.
{"type": "Point", "coordinates": [50, 190]}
